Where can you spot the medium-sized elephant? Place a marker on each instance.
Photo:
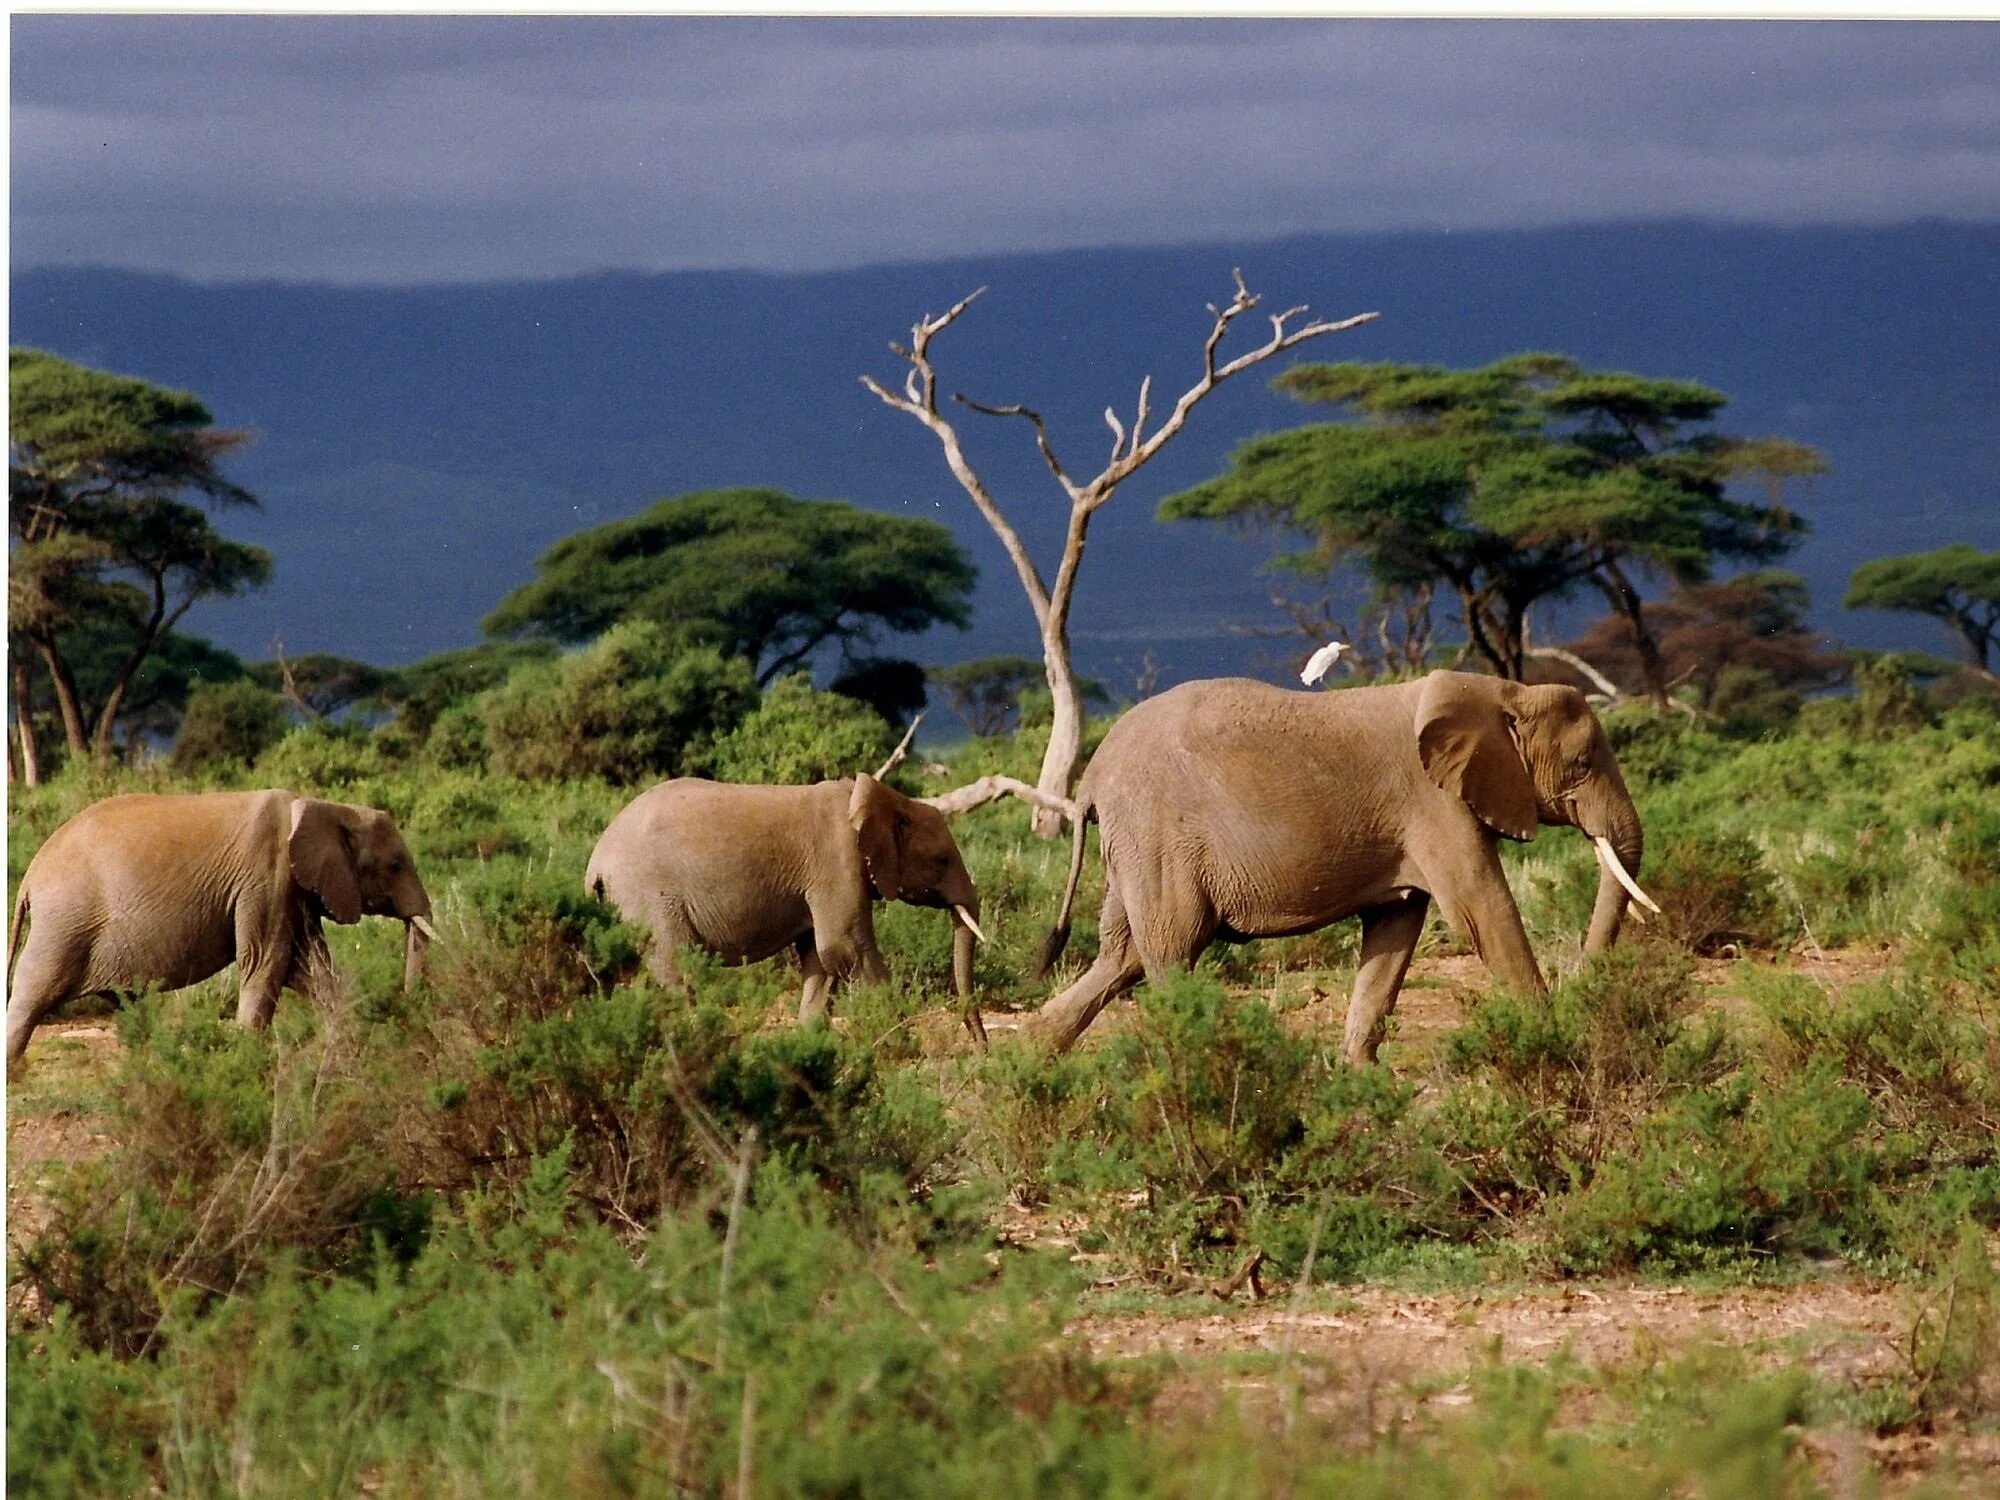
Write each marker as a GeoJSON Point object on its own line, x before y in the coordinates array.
{"type": "Point", "coordinates": [1232, 809]}
{"type": "Point", "coordinates": [748, 871]}
{"type": "Point", "coordinates": [144, 889]}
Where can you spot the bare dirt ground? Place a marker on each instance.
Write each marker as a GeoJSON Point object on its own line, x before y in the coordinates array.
{"type": "Point", "coordinates": [1365, 1360]}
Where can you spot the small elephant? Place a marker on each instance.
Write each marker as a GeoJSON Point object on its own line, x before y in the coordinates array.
{"type": "Point", "coordinates": [1232, 809]}
{"type": "Point", "coordinates": [144, 889]}
{"type": "Point", "coordinates": [748, 871]}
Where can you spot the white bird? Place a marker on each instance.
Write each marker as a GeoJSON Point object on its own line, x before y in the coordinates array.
{"type": "Point", "coordinates": [1322, 661]}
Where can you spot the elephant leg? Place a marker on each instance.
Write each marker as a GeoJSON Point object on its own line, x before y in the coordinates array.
{"type": "Point", "coordinates": [1389, 937]}
{"type": "Point", "coordinates": [671, 932]}
{"type": "Point", "coordinates": [46, 976]}
{"type": "Point", "coordinates": [265, 956]}
{"type": "Point", "coordinates": [1116, 969]}
{"type": "Point", "coordinates": [311, 971]}
{"type": "Point", "coordinates": [257, 997]}
{"type": "Point", "coordinates": [818, 996]}
{"type": "Point", "coordinates": [1172, 925]}
{"type": "Point", "coordinates": [1480, 908]}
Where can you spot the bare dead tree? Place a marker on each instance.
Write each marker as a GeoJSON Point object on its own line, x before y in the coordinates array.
{"type": "Point", "coordinates": [290, 683]}
{"type": "Point", "coordinates": [897, 755]}
{"type": "Point", "coordinates": [1131, 449]}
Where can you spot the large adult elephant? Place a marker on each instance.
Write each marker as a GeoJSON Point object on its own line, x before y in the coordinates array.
{"type": "Point", "coordinates": [1233, 809]}
{"type": "Point", "coordinates": [746, 872]}
{"type": "Point", "coordinates": [144, 889]}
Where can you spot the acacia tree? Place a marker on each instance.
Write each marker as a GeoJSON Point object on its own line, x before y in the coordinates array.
{"type": "Point", "coordinates": [1131, 450]}
{"type": "Point", "coordinates": [319, 684]}
{"type": "Point", "coordinates": [1957, 585]}
{"type": "Point", "coordinates": [751, 572]}
{"type": "Point", "coordinates": [99, 536]}
{"type": "Point", "coordinates": [1509, 484]}
{"type": "Point", "coordinates": [1749, 624]}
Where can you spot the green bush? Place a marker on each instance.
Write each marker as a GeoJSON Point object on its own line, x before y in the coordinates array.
{"type": "Point", "coordinates": [1729, 1171]}
{"type": "Point", "coordinates": [1716, 892]}
{"type": "Point", "coordinates": [458, 740]}
{"type": "Point", "coordinates": [321, 757]}
{"type": "Point", "coordinates": [629, 708]}
{"type": "Point", "coordinates": [239, 1152]}
{"type": "Point", "coordinates": [798, 735]}
{"type": "Point", "coordinates": [227, 724]}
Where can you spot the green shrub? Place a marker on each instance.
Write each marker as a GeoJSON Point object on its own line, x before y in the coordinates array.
{"type": "Point", "coordinates": [1214, 1088]}
{"type": "Point", "coordinates": [458, 739]}
{"type": "Point", "coordinates": [75, 1418]}
{"type": "Point", "coordinates": [238, 1151]}
{"type": "Point", "coordinates": [1715, 892]}
{"type": "Point", "coordinates": [1889, 701]}
{"type": "Point", "coordinates": [1751, 701]}
{"type": "Point", "coordinates": [1655, 748]}
{"type": "Point", "coordinates": [228, 723]}
{"type": "Point", "coordinates": [798, 735]}
{"type": "Point", "coordinates": [631, 707]}
{"type": "Point", "coordinates": [321, 757]}
{"type": "Point", "coordinates": [1728, 1171]}
{"type": "Point", "coordinates": [1955, 1343]}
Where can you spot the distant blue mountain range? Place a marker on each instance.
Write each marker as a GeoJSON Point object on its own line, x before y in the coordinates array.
{"type": "Point", "coordinates": [419, 447]}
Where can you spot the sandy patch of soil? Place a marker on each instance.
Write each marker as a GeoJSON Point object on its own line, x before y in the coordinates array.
{"type": "Point", "coordinates": [1365, 1360]}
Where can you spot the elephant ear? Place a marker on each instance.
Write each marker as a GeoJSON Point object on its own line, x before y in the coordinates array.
{"type": "Point", "coordinates": [1467, 741]}
{"type": "Point", "coordinates": [322, 853]}
{"type": "Point", "coordinates": [875, 817]}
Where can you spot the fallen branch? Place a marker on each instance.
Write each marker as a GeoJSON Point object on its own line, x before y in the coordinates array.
{"type": "Point", "coordinates": [1244, 1275]}
{"type": "Point", "coordinates": [1606, 688]}
{"type": "Point", "coordinates": [991, 789]}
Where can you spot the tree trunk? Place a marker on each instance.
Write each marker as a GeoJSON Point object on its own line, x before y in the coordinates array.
{"type": "Point", "coordinates": [156, 628]}
{"type": "Point", "coordinates": [1065, 752]}
{"type": "Point", "coordinates": [24, 720]}
{"type": "Point", "coordinates": [1624, 599]}
{"type": "Point", "coordinates": [75, 730]}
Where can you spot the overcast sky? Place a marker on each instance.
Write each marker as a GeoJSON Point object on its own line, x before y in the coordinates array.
{"type": "Point", "coordinates": [444, 149]}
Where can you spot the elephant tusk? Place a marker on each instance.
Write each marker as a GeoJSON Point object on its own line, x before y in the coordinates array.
{"type": "Point", "coordinates": [1617, 867]}
{"type": "Point", "coordinates": [422, 924]}
{"type": "Point", "coordinates": [971, 926]}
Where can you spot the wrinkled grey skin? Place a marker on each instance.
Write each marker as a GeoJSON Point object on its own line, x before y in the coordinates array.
{"type": "Point", "coordinates": [746, 872]}
{"type": "Point", "coordinates": [168, 890]}
{"type": "Point", "coordinates": [1233, 809]}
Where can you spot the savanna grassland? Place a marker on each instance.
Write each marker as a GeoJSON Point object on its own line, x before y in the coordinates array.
{"type": "Point", "coordinates": [1715, 1218]}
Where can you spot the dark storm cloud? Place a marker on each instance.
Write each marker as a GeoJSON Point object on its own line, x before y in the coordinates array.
{"type": "Point", "coordinates": [376, 148]}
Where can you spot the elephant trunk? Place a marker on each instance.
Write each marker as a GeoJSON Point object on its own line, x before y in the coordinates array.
{"type": "Point", "coordinates": [1621, 844]}
{"type": "Point", "coordinates": [964, 934]}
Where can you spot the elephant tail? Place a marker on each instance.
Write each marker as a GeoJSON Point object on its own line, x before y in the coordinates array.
{"type": "Point", "coordinates": [1058, 938]}
{"type": "Point", "coordinates": [18, 930]}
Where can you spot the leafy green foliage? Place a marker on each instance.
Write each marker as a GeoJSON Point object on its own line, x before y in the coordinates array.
{"type": "Point", "coordinates": [320, 757]}
{"type": "Point", "coordinates": [1958, 585]}
{"type": "Point", "coordinates": [890, 685]}
{"type": "Point", "coordinates": [156, 695]}
{"type": "Point", "coordinates": [751, 572]}
{"type": "Point", "coordinates": [798, 735]}
{"type": "Point", "coordinates": [634, 706]}
{"type": "Point", "coordinates": [425, 690]}
{"type": "Point", "coordinates": [228, 723]}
